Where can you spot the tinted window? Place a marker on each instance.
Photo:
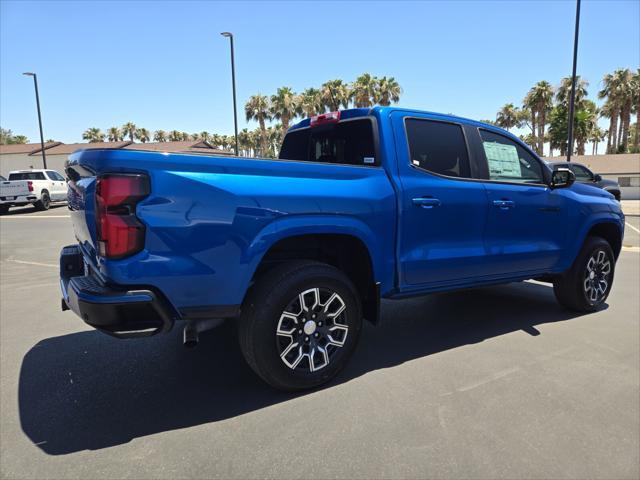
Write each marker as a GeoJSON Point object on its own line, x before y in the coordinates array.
{"type": "Point", "coordinates": [509, 161]}
{"type": "Point", "coordinates": [348, 143]}
{"type": "Point", "coordinates": [437, 147]}
{"type": "Point", "coordinates": [27, 176]}
{"type": "Point", "coordinates": [582, 174]}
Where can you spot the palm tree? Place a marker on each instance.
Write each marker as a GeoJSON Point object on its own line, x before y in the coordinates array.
{"type": "Point", "coordinates": [507, 117]}
{"type": "Point", "coordinates": [597, 135]}
{"type": "Point", "coordinates": [335, 94]}
{"type": "Point", "coordinates": [215, 140]}
{"type": "Point", "coordinates": [175, 136]}
{"type": "Point", "coordinates": [625, 80]}
{"type": "Point", "coordinates": [228, 142]}
{"type": "Point", "coordinates": [160, 136]}
{"type": "Point", "coordinates": [114, 134]}
{"type": "Point", "coordinates": [528, 104]}
{"type": "Point", "coordinates": [258, 108]}
{"type": "Point", "coordinates": [364, 90]}
{"type": "Point", "coordinates": [529, 139]}
{"type": "Point", "coordinates": [284, 106]}
{"type": "Point", "coordinates": [93, 135]}
{"type": "Point", "coordinates": [540, 100]}
{"type": "Point", "coordinates": [585, 122]}
{"type": "Point", "coordinates": [204, 135]}
{"type": "Point", "coordinates": [129, 129]}
{"type": "Point", "coordinates": [563, 95]}
{"type": "Point", "coordinates": [310, 102]}
{"type": "Point", "coordinates": [20, 139]}
{"type": "Point", "coordinates": [143, 135]}
{"type": "Point", "coordinates": [610, 110]}
{"type": "Point", "coordinates": [388, 91]}
{"type": "Point", "coordinates": [185, 137]}
{"type": "Point", "coordinates": [244, 142]}
{"type": "Point", "coordinates": [564, 91]}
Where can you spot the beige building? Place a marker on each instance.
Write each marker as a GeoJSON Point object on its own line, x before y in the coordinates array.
{"type": "Point", "coordinates": [26, 156]}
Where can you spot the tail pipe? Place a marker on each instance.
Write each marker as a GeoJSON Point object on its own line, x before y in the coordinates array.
{"type": "Point", "coordinates": [193, 328]}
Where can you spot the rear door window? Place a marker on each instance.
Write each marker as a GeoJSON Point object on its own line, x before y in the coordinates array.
{"type": "Point", "coordinates": [437, 147]}
{"type": "Point", "coordinates": [348, 143]}
{"type": "Point", "coordinates": [27, 176]}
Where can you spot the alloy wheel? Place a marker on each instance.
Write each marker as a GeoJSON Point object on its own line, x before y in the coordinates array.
{"type": "Point", "coordinates": [597, 277]}
{"type": "Point", "coordinates": [312, 329]}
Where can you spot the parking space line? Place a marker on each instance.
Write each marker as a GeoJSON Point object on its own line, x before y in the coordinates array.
{"type": "Point", "coordinates": [10, 217]}
{"type": "Point", "coordinates": [24, 262]}
{"type": "Point", "coordinates": [631, 227]}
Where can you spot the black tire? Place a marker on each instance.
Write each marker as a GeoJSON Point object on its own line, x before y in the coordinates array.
{"type": "Point", "coordinates": [4, 209]}
{"type": "Point", "coordinates": [580, 290]}
{"type": "Point", "coordinates": [263, 313]}
{"type": "Point", "coordinates": [44, 203]}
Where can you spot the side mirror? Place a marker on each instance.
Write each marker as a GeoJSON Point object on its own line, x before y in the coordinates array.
{"type": "Point", "coordinates": [562, 178]}
{"type": "Point", "coordinates": [597, 178]}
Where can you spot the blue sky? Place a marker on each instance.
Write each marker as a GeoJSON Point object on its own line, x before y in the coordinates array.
{"type": "Point", "coordinates": [163, 64]}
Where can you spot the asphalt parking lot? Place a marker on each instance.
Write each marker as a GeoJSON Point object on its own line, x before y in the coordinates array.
{"type": "Point", "coordinates": [496, 382]}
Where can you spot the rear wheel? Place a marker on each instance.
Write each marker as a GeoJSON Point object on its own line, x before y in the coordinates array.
{"type": "Point", "coordinates": [586, 285]}
{"type": "Point", "coordinates": [4, 209]}
{"type": "Point", "coordinates": [45, 201]}
{"type": "Point", "coordinates": [300, 324]}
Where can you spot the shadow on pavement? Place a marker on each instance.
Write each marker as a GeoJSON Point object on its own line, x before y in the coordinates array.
{"type": "Point", "coordinates": [88, 391]}
{"type": "Point", "coordinates": [29, 209]}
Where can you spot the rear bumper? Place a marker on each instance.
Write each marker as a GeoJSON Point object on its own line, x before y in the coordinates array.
{"type": "Point", "coordinates": [19, 200]}
{"type": "Point", "coordinates": [120, 312]}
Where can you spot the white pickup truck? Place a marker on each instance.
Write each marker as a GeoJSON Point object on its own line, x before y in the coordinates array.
{"type": "Point", "coordinates": [37, 187]}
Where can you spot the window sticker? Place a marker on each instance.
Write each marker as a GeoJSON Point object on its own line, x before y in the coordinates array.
{"type": "Point", "coordinates": [503, 160]}
{"type": "Point", "coordinates": [369, 160]}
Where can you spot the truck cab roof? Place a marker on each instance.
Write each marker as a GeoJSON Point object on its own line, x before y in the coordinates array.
{"type": "Point", "coordinates": [377, 110]}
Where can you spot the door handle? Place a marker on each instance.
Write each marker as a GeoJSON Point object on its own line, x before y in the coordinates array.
{"type": "Point", "coordinates": [426, 202]}
{"type": "Point", "coordinates": [504, 204]}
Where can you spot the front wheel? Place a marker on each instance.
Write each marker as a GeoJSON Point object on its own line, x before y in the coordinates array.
{"type": "Point", "coordinates": [300, 324]}
{"type": "Point", "coordinates": [586, 285]}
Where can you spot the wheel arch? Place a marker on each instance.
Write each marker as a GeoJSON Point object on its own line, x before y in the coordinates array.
{"type": "Point", "coordinates": [609, 231]}
{"type": "Point", "coordinates": [344, 249]}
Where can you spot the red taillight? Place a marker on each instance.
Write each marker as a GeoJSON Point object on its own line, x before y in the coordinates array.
{"type": "Point", "coordinates": [331, 117]}
{"type": "Point", "coordinates": [30, 185]}
{"type": "Point", "coordinates": [120, 232]}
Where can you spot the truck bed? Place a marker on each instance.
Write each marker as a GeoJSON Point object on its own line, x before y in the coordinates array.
{"type": "Point", "coordinates": [209, 220]}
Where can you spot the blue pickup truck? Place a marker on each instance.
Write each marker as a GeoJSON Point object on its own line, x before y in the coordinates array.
{"type": "Point", "coordinates": [362, 204]}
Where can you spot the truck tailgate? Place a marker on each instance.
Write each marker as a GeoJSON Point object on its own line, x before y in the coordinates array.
{"type": "Point", "coordinates": [14, 188]}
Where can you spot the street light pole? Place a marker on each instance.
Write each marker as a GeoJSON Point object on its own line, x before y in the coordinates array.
{"type": "Point", "coordinates": [35, 83]}
{"type": "Point", "coordinates": [233, 83]}
{"type": "Point", "coordinates": [573, 83]}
